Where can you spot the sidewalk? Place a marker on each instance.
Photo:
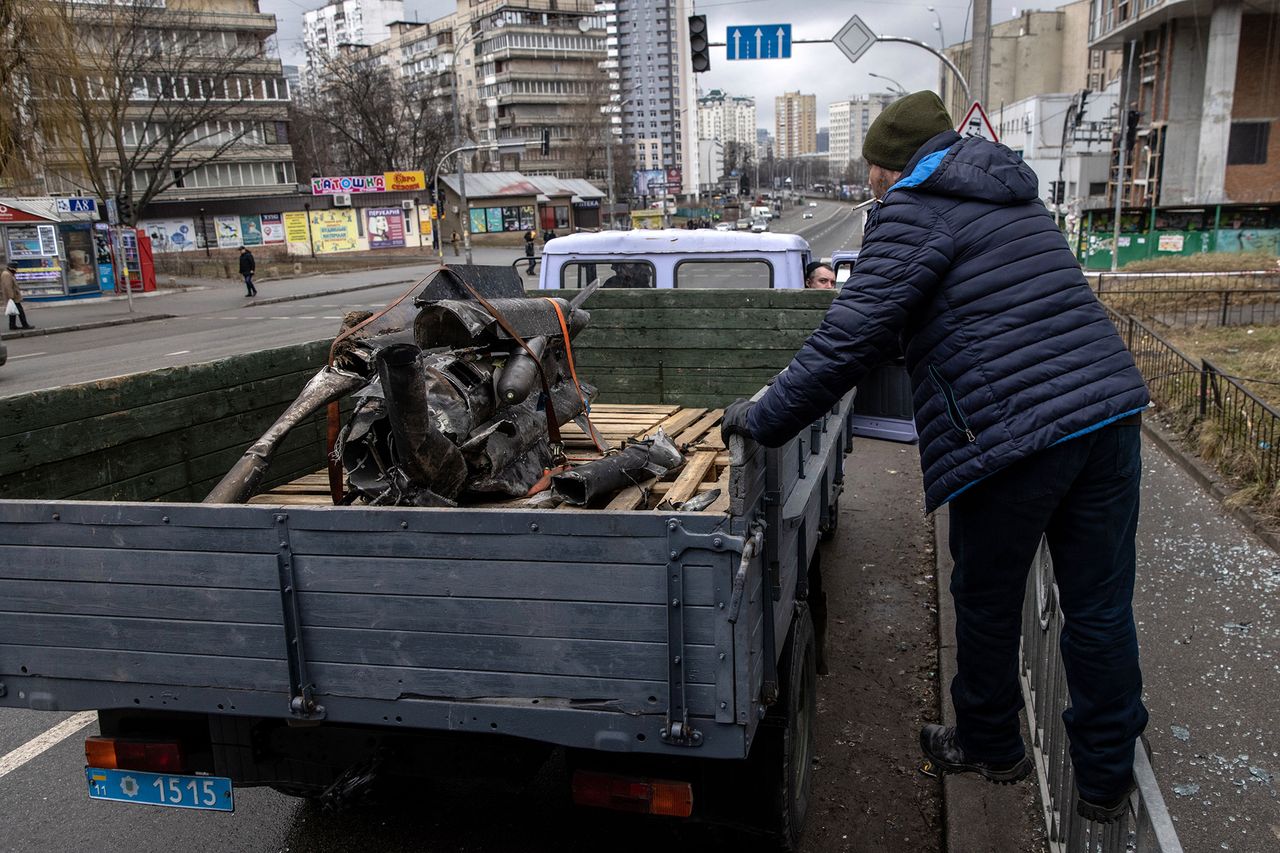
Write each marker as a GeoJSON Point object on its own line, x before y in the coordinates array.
{"type": "Point", "coordinates": [196, 296]}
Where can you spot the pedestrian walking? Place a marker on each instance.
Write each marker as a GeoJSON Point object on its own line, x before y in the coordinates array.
{"type": "Point", "coordinates": [11, 298]}
{"type": "Point", "coordinates": [454, 239]}
{"type": "Point", "coordinates": [1027, 404]}
{"type": "Point", "coordinates": [248, 266]}
{"type": "Point", "coordinates": [529, 237]}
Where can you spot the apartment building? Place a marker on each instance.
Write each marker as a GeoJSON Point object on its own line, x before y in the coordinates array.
{"type": "Point", "coordinates": [796, 124]}
{"type": "Point", "coordinates": [241, 150]}
{"type": "Point", "coordinates": [419, 54]}
{"type": "Point", "coordinates": [1200, 87]}
{"type": "Point", "coordinates": [727, 118]}
{"type": "Point", "coordinates": [343, 22]}
{"type": "Point", "coordinates": [1035, 53]}
{"type": "Point", "coordinates": [525, 67]}
{"type": "Point", "coordinates": [847, 124]}
{"type": "Point", "coordinates": [651, 86]}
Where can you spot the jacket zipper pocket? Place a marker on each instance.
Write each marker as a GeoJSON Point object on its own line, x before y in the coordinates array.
{"type": "Point", "coordinates": [953, 407]}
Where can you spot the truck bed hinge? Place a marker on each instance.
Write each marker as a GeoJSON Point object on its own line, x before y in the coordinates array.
{"type": "Point", "coordinates": [678, 731]}
{"type": "Point", "coordinates": [302, 703]}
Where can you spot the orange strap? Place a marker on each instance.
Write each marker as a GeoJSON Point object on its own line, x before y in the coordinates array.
{"type": "Point", "coordinates": [573, 372]}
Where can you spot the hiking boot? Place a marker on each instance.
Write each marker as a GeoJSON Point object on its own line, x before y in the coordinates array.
{"type": "Point", "coordinates": [1106, 812]}
{"type": "Point", "coordinates": [939, 746]}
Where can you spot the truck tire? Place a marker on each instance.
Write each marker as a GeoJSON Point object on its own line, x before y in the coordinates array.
{"type": "Point", "coordinates": [781, 759]}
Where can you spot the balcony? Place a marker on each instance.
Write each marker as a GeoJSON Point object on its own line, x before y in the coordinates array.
{"type": "Point", "coordinates": [1113, 22]}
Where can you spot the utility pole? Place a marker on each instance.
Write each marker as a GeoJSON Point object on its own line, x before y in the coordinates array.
{"type": "Point", "coordinates": [980, 73]}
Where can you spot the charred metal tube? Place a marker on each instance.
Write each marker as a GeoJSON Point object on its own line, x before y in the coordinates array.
{"type": "Point", "coordinates": [520, 376]}
{"type": "Point", "coordinates": [243, 479]}
{"type": "Point", "coordinates": [427, 457]}
{"type": "Point", "coordinates": [604, 477]}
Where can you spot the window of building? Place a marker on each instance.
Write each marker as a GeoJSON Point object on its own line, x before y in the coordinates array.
{"type": "Point", "coordinates": [1248, 143]}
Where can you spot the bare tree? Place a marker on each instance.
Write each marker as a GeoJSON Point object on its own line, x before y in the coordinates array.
{"type": "Point", "coordinates": [363, 119]}
{"type": "Point", "coordinates": [154, 95]}
{"type": "Point", "coordinates": [28, 40]}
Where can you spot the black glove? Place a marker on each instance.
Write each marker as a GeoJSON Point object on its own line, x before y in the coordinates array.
{"type": "Point", "coordinates": [734, 421]}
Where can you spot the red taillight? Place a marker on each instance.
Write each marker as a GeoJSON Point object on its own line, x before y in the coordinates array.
{"type": "Point", "coordinates": [620, 793]}
{"type": "Point", "coordinates": [122, 754]}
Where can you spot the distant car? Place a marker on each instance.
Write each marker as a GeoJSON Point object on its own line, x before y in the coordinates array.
{"type": "Point", "coordinates": [807, 215]}
{"type": "Point", "coordinates": [813, 204]}
{"type": "Point", "coordinates": [724, 226]}
{"type": "Point", "coordinates": [759, 226]}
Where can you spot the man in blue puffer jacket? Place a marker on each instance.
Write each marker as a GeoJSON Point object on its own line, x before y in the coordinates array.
{"type": "Point", "coordinates": [1027, 404]}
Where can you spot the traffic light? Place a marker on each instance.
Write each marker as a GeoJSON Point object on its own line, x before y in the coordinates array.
{"type": "Point", "coordinates": [1131, 128]}
{"type": "Point", "coordinates": [1057, 191]}
{"type": "Point", "coordinates": [124, 209]}
{"type": "Point", "coordinates": [700, 50]}
{"type": "Point", "coordinates": [546, 141]}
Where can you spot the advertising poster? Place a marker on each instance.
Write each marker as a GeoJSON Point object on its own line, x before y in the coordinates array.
{"type": "Point", "coordinates": [273, 228]}
{"type": "Point", "coordinates": [478, 221]}
{"type": "Point", "coordinates": [674, 180]}
{"type": "Point", "coordinates": [228, 230]}
{"type": "Point", "coordinates": [493, 216]}
{"type": "Point", "coordinates": [295, 229]}
{"type": "Point", "coordinates": [404, 181]}
{"type": "Point", "coordinates": [1170, 243]}
{"type": "Point", "coordinates": [250, 231]}
{"type": "Point", "coordinates": [334, 230]}
{"type": "Point", "coordinates": [385, 226]}
{"type": "Point", "coordinates": [170, 235]}
{"type": "Point", "coordinates": [650, 182]}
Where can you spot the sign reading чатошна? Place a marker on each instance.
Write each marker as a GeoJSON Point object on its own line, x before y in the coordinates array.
{"type": "Point", "coordinates": [386, 182]}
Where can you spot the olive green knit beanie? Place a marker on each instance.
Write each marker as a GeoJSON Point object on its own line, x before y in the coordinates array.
{"type": "Point", "coordinates": [905, 125]}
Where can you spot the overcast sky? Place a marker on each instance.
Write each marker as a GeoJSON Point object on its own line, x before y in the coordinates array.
{"type": "Point", "coordinates": [819, 69]}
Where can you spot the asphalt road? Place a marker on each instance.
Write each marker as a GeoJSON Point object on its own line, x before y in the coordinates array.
{"type": "Point", "coordinates": [217, 323]}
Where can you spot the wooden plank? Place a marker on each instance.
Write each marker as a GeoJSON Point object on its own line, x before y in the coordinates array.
{"type": "Point", "coordinates": [699, 428]}
{"type": "Point", "coordinates": [691, 476]}
{"type": "Point", "coordinates": [721, 504]}
{"type": "Point", "coordinates": [105, 665]}
{"type": "Point", "coordinates": [663, 489]}
{"type": "Point", "coordinates": [110, 565]}
{"type": "Point", "coordinates": [60, 630]}
{"type": "Point", "coordinates": [623, 582]}
{"type": "Point", "coordinates": [141, 601]}
{"type": "Point", "coordinates": [534, 547]}
{"type": "Point", "coordinates": [677, 421]}
{"type": "Point", "coordinates": [629, 498]}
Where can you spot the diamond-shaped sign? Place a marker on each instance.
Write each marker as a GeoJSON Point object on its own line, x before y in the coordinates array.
{"type": "Point", "coordinates": [855, 38]}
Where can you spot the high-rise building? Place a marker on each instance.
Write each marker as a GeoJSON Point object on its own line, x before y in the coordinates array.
{"type": "Point", "coordinates": [727, 118]}
{"type": "Point", "coordinates": [526, 67]}
{"type": "Point", "coordinates": [824, 140]}
{"type": "Point", "coordinates": [796, 121]}
{"type": "Point", "coordinates": [419, 54]}
{"type": "Point", "coordinates": [652, 87]}
{"type": "Point", "coordinates": [765, 144]}
{"type": "Point", "coordinates": [847, 123]}
{"type": "Point", "coordinates": [343, 22]}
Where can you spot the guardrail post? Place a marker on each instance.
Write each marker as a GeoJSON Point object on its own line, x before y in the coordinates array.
{"type": "Point", "coordinates": [1226, 301]}
{"type": "Point", "coordinates": [1204, 390]}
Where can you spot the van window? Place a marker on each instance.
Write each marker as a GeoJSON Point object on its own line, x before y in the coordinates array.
{"type": "Point", "coordinates": [724, 275]}
{"type": "Point", "coordinates": [576, 275]}
{"type": "Point", "coordinates": [844, 269]}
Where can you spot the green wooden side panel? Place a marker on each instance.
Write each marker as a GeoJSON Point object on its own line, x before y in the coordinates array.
{"type": "Point", "coordinates": [171, 434]}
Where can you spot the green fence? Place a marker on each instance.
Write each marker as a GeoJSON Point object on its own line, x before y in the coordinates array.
{"type": "Point", "coordinates": [171, 434]}
{"type": "Point", "coordinates": [1147, 233]}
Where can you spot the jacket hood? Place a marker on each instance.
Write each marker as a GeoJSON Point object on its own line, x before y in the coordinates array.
{"type": "Point", "coordinates": [969, 167]}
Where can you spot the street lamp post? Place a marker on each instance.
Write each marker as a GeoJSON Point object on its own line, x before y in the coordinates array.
{"type": "Point", "coordinates": [897, 87]}
{"type": "Point", "coordinates": [464, 212]}
{"type": "Point", "coordinates": [608, 154]}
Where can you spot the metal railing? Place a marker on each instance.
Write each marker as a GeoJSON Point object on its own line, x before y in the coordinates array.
{"type": "Point", "coordinates": [1193, 299]}
{"type": "Point", "coordinates": [1146, 826]}
{"type": "Point", "coordinates": [1245, 429]}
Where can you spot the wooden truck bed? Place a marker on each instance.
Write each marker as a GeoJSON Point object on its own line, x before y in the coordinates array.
{"type": "Point", "coordinates": [695, 430]}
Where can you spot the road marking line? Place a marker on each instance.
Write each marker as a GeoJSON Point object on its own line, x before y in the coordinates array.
{"type": "Point", "coordinates": [26, 355]}
{"type": "Point", "coordinates": [306, 317]}
{"type": "Point", "coordinates": [179, 352]}
{"type": "Point", "coordinates": [42, 742]}
{"type": "Point", "coordinates": [330, 318]}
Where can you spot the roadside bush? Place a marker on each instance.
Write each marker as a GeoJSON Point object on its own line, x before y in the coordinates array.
{"type": "Point", "coordinates": [1207, 262]}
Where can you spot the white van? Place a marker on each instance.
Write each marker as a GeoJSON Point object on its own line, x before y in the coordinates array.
{"type": "Point", "coordinates": [673, 258]}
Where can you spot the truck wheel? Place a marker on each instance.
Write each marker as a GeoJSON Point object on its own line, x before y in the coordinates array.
{"type": "Point", "coordinates": [827, 529]}
{"type": "Point", "coordinates": [781, 759]}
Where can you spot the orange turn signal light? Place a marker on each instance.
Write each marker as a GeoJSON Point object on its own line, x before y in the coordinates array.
{"type": "Point", "coordinates": [626, 794]}
{"type": "Point", "coordinates": [111, 753]}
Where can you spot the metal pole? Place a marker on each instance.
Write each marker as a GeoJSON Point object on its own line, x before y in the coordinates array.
{"type": "Point", "coordinates": [1124, 133]}
{"type": "Point", "coordinates": [608, 165]}
{"type": "Point", "coordinates": [981, 68]}
{"type": "Point", "coordinates": [964, 84]}
{"type": "Point", "coordinates": [464, 215]}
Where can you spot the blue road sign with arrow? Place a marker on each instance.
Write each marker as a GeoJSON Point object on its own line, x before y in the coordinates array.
{"type": "Point", "coordinates": [759, 41]}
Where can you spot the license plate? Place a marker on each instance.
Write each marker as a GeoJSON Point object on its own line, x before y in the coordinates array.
{"type": "Point", "coordinates": [160, 789]}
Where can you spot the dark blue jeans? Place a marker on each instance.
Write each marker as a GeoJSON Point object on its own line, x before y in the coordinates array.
{"type": "Point", "coordinates": [1083, 496]}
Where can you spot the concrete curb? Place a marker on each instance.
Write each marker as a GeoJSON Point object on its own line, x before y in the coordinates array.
{"type": "Point", "coordinates": [1211, 481]}
{"type": "Point", "coordinates": [274, 300]}
{"type": "Point", "coordinates": [80, 327]}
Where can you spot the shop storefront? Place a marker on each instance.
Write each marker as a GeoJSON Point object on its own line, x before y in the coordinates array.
{"type": "Point", "coordinates": [55, 245]}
